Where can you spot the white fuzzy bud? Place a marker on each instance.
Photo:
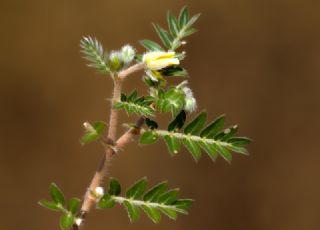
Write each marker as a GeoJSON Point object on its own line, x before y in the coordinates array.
{"type": "Point", "coordinates": [99, 191]}
{"type": "Point", "coordinates": [190, 101]}
{"type": "Point", "coordinates": [128, 53]}
{"type": "Point", "coordinates": [78, 221]}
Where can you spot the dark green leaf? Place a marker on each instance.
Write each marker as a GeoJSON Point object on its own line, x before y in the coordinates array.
{"type": "Point", "coordinates": [173, 24]}
{"type": "Point", "coordinates": [56, 194]}
{"type": "Point", "coordinates": [178, 122]}
{"type": "Point", "coordinates": [183, 204]}
{"type": "Point", "coordinates": [50, 205]}
{"type": "Point", "coordinates": [73, 205]}
{"type": "Point", "coordinates": [151, 45]}
{"type": "Point", "coordinates": [228, 133]}
{"type": "Point", "coordinates": [149, 137]}
{"type": "Point", "coordinates": [213, 128]}
{"type": "Point", "coordinates": [66, 221]}
{"type": "Point", "coordinates": [106, 202]}
{"type": "Point", "coordinates": [153, 194]}
{"type": "Point", "coordinates": [137, 189]}
{"type": "Point", "coordinates": [151, 124]}
{"type": "Point", "coordinates": [196, 125]}
{"type": "Point", "coordinates": [123, 97]}
{"type": "Point", "coordinates": [133, 211]}
{"type": "Point", "coordinates": [172, 214]}
{"type": "Point", "coordinates": [152, 213]}
{"type": "Point", "coordinates": [174, 71]}
{"type": "Point", "coordinates": [133, 95]}
{"type": "Point", "coordinates": [193, 148]}
{"type": "Point", "coordinates": [184, 16]}
{"type": "Point", "coordinates": [169, 197]}
{"type": "Point", "coordinates": [173, 144]}
{"type": "Point", "coordinates": [239, 141]}
{"type": "Point", "coordinates": [114, 187]}
{"type": "Point", "coordinates": [163, 34]}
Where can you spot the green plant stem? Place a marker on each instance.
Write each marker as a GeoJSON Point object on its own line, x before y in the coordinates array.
{"type": "Point", "coordinates": [89, 200]}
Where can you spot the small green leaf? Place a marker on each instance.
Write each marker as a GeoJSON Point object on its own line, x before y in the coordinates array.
{"type": "Point", "coordinates": [227, 133]}
{"type": "Point", "coordinates": [172, 214]}
{"type": "Point", "coordinates": [169, 197]}
{"type": "Point", "coordinates": [56, 194]}
{"type": "Point", "coordinates": [192, 20]}
{"type": "Point", "coordinates": [178, 122]}
{"type": "Point", "coordinates": [213, 128]}
{"type": "Point", "coordinates": [106, 202]}
{"type": "Point", "coordinates": [173, 144]}
{"type": "Point", "coordinates": [88, 137]}
{"type": "Point", "coordinates": [184, 16]}
{"type": "Point", "coordinates": [73, 205]}
{"type": "Point", "coordinates": [174, 71]}
{"type": "Point", "coordinates": [238, 149]}
{"type": "Point", "coordinates": [239, 141]}
{"type": "Point", "coordinates": [114, 187]}
{"type": "Point", "coordinates": [137, 189]}
{"type": "Point", "coordinates": [99, 126]}
{"type": "Point", "coordinates": [149, 137]}
{"type": "Point", "coordinates": [196, 125]}
{"type": "Point", "coordinates": [50, 205]}
{"type": "Point", "coordinates": [183, 204]}
{"type": "Point", "coordinates": [66, 221]}
{"type": "Point", "coordinates": [193, 148]}
{"type": "Point", "coordinates": [173, 24]}
{"type": "Point", "coordinates": [212, 152]}
{"type": "Point", "coordinates": [163, 34]}
{"type": "Point", "coordinates": [133, 211]}
{"type": "Point", "coordinates": [152, 213]}
{"type": "Point", "coordinates": [151, 45]}
{"type": "Point", "coordinates": [153, 194]}
{"type": "Point", "coordinates": [224, 152]}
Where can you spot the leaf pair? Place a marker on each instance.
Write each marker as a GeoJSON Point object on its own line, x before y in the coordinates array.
{"type": "Point", "coordinates": [213, 139]}
{"type": "Point", "coordinates": [58, 203]}
{"type": "Point", "coordinates": [153, 201]}
{"type": "Point", "coordinates": [179, 28]}
{"type": "Point", "coordinates": [134, 104]}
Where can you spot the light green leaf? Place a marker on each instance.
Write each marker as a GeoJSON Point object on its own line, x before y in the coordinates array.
{"type": "Point", "coordinates": [172, 214]}
{"type": "Point", "coordinates": [212, 152]}
{"type": "Point", "coordinates": [169, 197]}
{"type": "Point", "coordinates": [149, 137]}
{"type": "Point", "coordinates": [106, 202]}
{"type": "Point", "coordinates": [133, 211]}
{"type": "Point", "coordinates": [137, 189]}
{"type": "Point", "coordinates": [56, 194]}
{"type": "Point", "coordinates": [66, 221]}
{"type": "Point", "coordinates": [114, 187]}
{"type": "Point", "coordinates": [173, 24]}
{"type": "Point", "coordinates": [224, 152]}
{"type": "Point", "coordinates": [196, 125]}
{"type": "Point", "coordinates": [50, 205]}
{"type": "Point", "coordinates": [213, 128]}
{"type": "Point", "coordinates": [192, 20]}
{"type": "Point", "coordinates": [184, 16]}
{"type": "Point", "coordinates": [193, 148]}
{"type": "Point", "coordinates": [183, 204]}
{"type": "Point", "coordinates": [163, 34]}
{"type": "Point", "coordinates": [153, 194]}
{"type": "Point", "coordinates": [73, 205]}
{"type": "Point", "coordinates": [152, 213]}
{"type": "Point", "coordinates": [151, 45]}
{"type": "Point", "coordinates": [173, 144]}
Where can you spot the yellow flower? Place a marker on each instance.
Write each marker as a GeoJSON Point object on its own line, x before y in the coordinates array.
{"type": "Point", "coordinates": [157, 60]}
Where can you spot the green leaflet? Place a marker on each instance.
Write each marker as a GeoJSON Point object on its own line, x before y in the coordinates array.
{"type": "Point", "coordinates": [73, 205]}
{"type": "Point", "coordinates": [153, 202]}
{"type": "Point", "coordinates": [49, 205]}
{"type": "Point", "coordinates": [171, 100]}
{"type": "Point", "coordinates": [56, 194]}
{"type": "Point", "coordinates": [93, 132]}
{"type": "Point", "coordinates": [184, 16]}
{"type": "Point", "coordinates": [212, 139]}
{"type": "Point", "coordinates": [93, 52]}
{"type": "Point", "coordinates": [173, 24]}
{"type": "Point", "coordinates": [114, 187]}
{"type": "Point", "coordinates": [66, 221]}
{"type": "Point", "coordinates": [149, 137]}
{"type": "Point", "coordinates": [163, 34]}
{"type": "Point", "coordinates": [134, 104]}
{"type": "Point", "coordinates": [151, 45]}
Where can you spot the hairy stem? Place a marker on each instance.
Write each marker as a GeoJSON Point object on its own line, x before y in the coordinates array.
{"type": "Point", "coordinates": [89, 200]}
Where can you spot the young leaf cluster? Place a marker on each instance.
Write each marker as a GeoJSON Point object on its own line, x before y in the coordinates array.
{"type": "Point", "coordinates": [92, 132]}
{"type": "Point", "coordinates": [102, 61]}
{"type": "Point", "coordinates": [153, 201]}
{"type": "Point", "coordinates": [171, 100]}
{"type": "Point", "coordinates": [134, 104]}
{"type": "Point", "coordinates": [213, 139]}
{"type": "Point", "coordinates": [59, 204]}
{"type": "Point", "coordinates": [179, 28]}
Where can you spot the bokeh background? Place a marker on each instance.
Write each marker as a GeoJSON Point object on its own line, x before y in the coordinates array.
{"type": "Point", "coordinates": [257, 61]}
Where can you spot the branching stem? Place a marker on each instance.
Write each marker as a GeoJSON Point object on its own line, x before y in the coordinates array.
{"type": "Point", "coordinates": [89, 201]}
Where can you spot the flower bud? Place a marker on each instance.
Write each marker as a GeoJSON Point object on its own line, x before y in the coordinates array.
{"type": "Point", "coordinates": [190, 104]}
{"type": "Point", "coordinates": [128, 53]}
{"type": "Point", "coordinates": [115, 61]}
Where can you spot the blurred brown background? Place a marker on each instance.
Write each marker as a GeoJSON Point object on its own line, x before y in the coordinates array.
{"type": "Point", "coordinates": [257, 61]}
